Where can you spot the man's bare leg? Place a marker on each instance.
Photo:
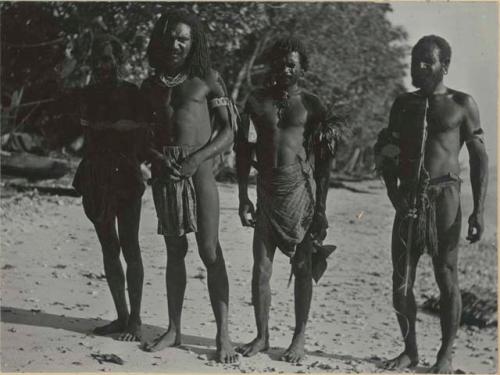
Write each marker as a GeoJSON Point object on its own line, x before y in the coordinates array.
{"type": "Point", "coordinates": [405, 306]}
{"type": "Point", "coordinates": [449, 221]}
{"type": "Point", "coordinates": [108, 238]}
{"type": "Point", "coordinates": [303, 294]}
{"type": "Point", "coordinates": [176, 286]}
{"type": "Point", "coordinates": [210, 252]}
{"type": "Point", "coordinates": [128, 230]}
{"type": "Point", "coordinates": [263, 255]}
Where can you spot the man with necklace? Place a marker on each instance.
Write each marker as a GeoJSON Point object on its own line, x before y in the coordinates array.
{"type": "Point", "coordinates": [294, 147]}
{"type": "Point", "coordinates": [179, 100]}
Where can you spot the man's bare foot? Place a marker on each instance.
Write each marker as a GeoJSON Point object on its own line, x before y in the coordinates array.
{"type": "Point", "coordinates": [401, 362]}
{"type": "Point", "coordinates": [296, 351]}
{"type": "Point", "coordinates": [132, 332]}
{"type": "Point", "coordinates": [442, 366]}
{"type": "Point", "coordinates": [168, 340]}
{"type": "Point", "coordinates": [225, 352]}
{"type": "Point", "coordinates": [116, 326]}
{"type": "Point", "coordinates": [254, 347]}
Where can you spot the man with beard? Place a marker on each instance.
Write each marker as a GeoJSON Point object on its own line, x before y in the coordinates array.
{"type": "Point", "coordinates": [291, 131]}
{"type": "Point", "coordinates": [110, 181]}
{"type": "Point", "coordinates": [433, 207]}
{"type": "Point", "coordinates": [180, 99]}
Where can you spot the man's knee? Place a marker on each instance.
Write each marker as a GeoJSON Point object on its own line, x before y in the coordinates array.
{"type": "Point", "coordinates": [446, 277]}
{"type": "Point", "coordinates": [110, 246]}
{"type": "Point", "coordinates": [262, 271]}
{"type": "Point", "coordinates": [302, 267]}
{"type": "Point", "coordinates": [176, 247]}
{"type": "Point", "coordinates": [132, 253]}
{"type": "Point", "coordinates": [210, 252]}
{"type": "Point", "coordinates": [400, 300]}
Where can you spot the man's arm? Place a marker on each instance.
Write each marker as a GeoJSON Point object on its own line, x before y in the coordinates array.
{"type": "Point", "coordinates": [387, 148]}
{"type": "Point", "coordinates": [223, 134]}
{"type": "Point", "coordinates": [324, 139]}
{"type": "Point", "coordinates": [478, 161]}
{"type": "Point", "coordinates": [243, 149]}
{"type": "Point", "coordinates": [144, 115]}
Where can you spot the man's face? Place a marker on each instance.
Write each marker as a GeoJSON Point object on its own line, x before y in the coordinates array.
{"type": "Point", "coordinates": [178, 42]}
{"type": "Point", "coordinates": [287, 70]}
{"type": "Point", "coordinates": [426, 68]}
{"type": "Point", "coordinates": [105, 65]}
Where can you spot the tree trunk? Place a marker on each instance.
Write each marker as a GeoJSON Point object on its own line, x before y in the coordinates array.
{"type": "Point", "coordinates": [349, 167]}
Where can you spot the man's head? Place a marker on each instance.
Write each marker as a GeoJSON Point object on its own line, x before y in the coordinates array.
{"type": "Point", "coordinates": [178, 43]}
{"type": "Point", "coordinates": [288, 61]}
{"type": "Point", "coordinates": [430, 60]}
{"type": "Point", "coordinates": [106, 58]}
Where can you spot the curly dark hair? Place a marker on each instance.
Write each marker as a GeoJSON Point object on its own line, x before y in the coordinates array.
{"type": "Point", "coordinates": [440, 43]}
{"type": "Point", "coordinates": [198, 62]}
{"type": "Point", "coordinates": [104, 41]}
{"type": "Point", "coordinates": [284, 46]}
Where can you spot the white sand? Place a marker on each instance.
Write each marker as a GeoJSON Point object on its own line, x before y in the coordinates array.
{"type": "Point", "coordinates": [50, 245]}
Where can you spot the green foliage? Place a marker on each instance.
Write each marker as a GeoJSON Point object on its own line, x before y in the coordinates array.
{"type": "Point", "coordinates": [355, 53]}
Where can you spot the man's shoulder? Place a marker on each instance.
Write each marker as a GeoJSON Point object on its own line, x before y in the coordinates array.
{"type": "Point", "coordinates": [150, 82]}
{"type": "Point", "coordinates": [128, 87]}
{"type": "Point", "coordinates": [406, 96]}
{"type": "Point", "coordinates": [312, 101]}
{"type": "Point", "coordinates": [256, 96]}
{"type": "Point", "coordinates": [461, 98]}
{"type": "Point", "coordinates": [212, 77]}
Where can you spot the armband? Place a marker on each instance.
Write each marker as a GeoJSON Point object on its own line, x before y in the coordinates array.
{"type": "Point", "coordinates": [234, 116]}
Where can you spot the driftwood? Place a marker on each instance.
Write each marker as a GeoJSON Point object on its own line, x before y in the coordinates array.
{"type": "Point", "coordinates": [33, 167]}
{"type": "Point", "coordinates": [228, 174]}
{"type": "Point", "coordinates": [476, 311]}
{"type": "Point", "coordinates": [48, 190]}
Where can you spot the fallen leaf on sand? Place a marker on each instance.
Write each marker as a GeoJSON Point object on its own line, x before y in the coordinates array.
{"type": "Point", "coordinates": [94, 276]}
{"type": "Point", "coordinates": [112, 358]}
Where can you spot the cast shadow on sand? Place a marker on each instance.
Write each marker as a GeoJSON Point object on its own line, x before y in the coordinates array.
{"type": "Point", "coordinates": [84, 326]}
{"type": "Point", "coordinates": [195, 344]}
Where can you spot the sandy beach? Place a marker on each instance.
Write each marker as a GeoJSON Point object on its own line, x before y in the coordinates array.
{"type": "Point", "coordinates": [54, 293]}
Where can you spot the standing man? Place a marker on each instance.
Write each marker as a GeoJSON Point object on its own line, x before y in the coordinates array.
{"type": "Point", "coordinates": [180, 100]}
{"type": "Point", "coordinates": [452, 120]}
{"type": "Point", "coordinates": [291, 132]}
{"type": "Point", "coordinates": [110, 181]}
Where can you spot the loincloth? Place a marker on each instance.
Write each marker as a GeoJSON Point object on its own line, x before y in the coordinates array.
{"type": "Point", "coordinates": [425, 229]}
{"type": "Point", "coordinates": [106, 181]}
{"type": "Point", "coordinates": [175, 201]}
{"type": "Point", "coordinates": [286, 203]}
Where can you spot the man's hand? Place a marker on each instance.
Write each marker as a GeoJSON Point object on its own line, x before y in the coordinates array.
{"type": "Point", "coordinates": [169, 168]}
{"type": "Point", "coordinates": [187, 167]}
{"type": "Point", "coordinates": [319, 226]}
{"type": "Point", "coordinates": [399, 203]}
{"type": "Point", "coordinates": [476, 227]}
{"type": "Point", "coordinates": [247, 213]}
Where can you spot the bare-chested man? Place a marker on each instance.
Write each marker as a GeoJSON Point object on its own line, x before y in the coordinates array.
{"type": "Point", "coordinates": [452, 120]}
{"type": "Point", "coordinates": [181, 97]}
{"type": "Point", "coordinates": [291, 131]}
{"type": "Point", "coordinates": [110, 180]}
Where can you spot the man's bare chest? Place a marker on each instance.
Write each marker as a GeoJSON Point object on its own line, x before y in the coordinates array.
{"type": "Point", "coordinates": [169, 100]}
{"type": "Point", "coordinates": [443, 117]}
{"type": "Point", "coordinates": [277, 116]}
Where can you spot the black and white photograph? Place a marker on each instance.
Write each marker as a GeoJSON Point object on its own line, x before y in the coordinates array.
{"type": "Point", "coordinates": [249, 187]}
